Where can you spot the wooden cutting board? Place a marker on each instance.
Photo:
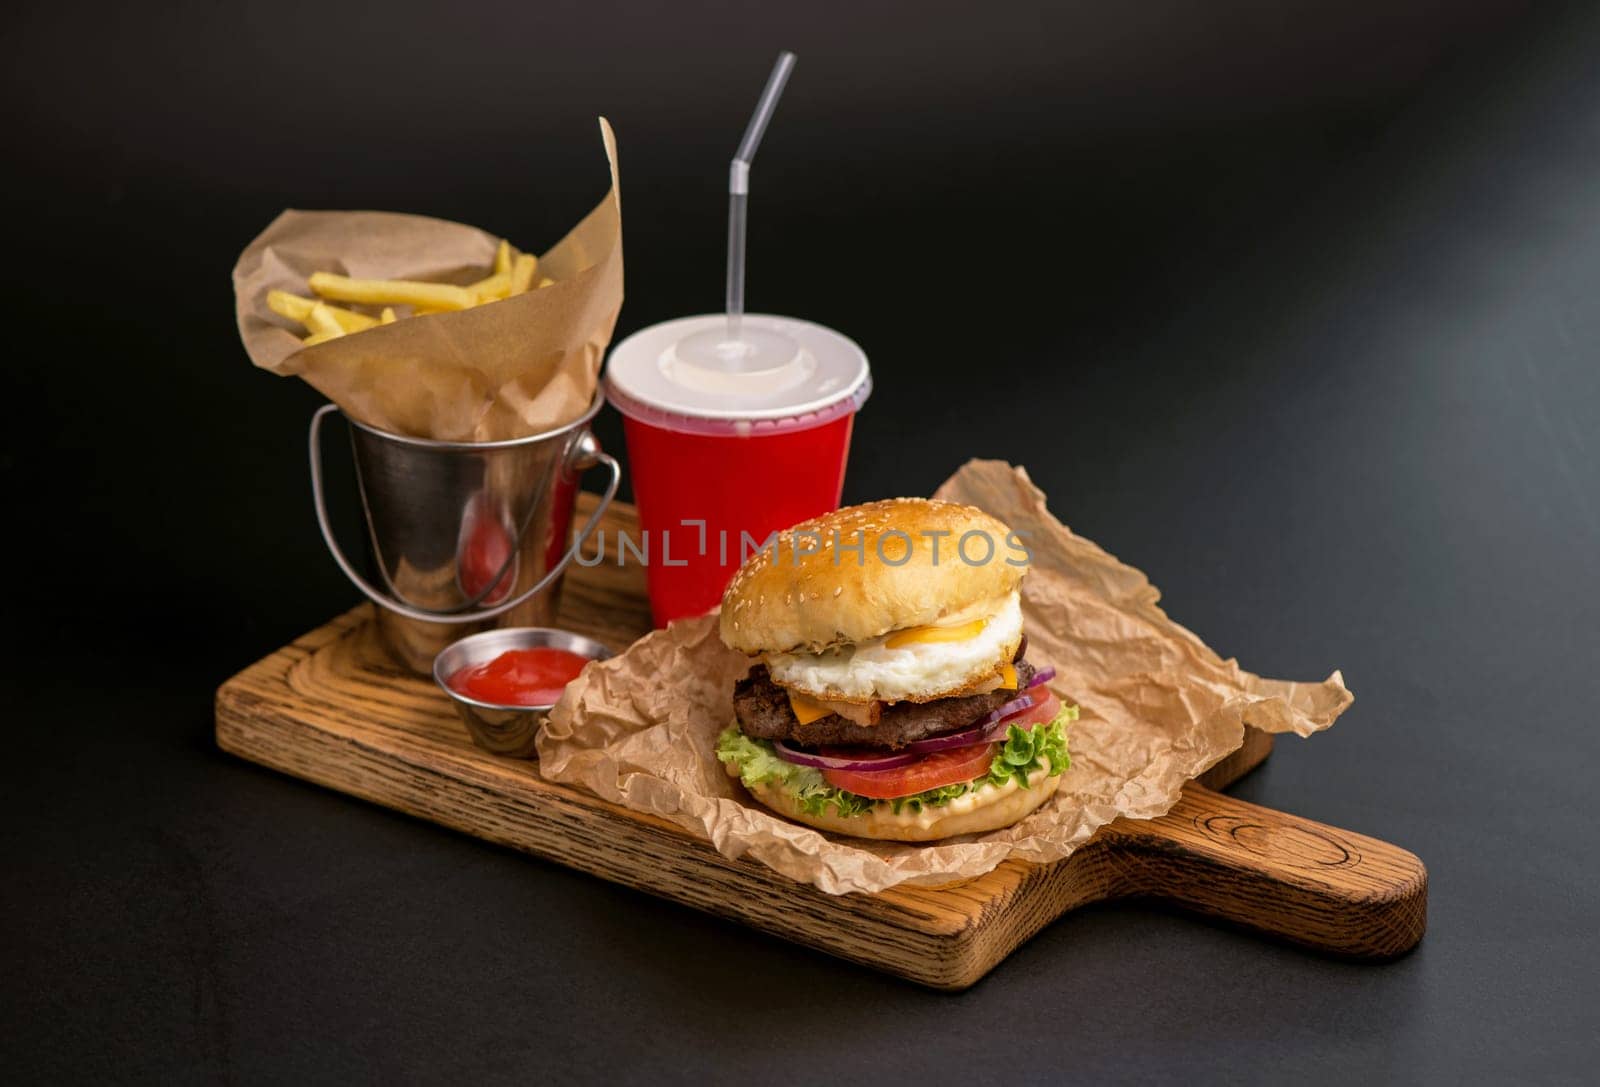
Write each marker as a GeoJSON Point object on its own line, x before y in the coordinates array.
{"type": "Point", "coordinates": [333, 709]}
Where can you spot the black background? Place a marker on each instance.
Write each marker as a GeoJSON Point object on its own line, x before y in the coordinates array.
{"type": "Point", "coordinates": [1290, 305]}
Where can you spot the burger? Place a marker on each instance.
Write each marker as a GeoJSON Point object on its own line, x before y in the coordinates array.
{"type": "Point", "coordinates": [891, 696]}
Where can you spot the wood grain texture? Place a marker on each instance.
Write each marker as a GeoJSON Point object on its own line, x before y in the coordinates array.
{"type": "Point", "coordinates": [333, 709]}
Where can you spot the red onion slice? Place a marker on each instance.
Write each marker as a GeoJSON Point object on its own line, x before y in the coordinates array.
{"type": "Point", "coordinates": [1022, 702]}
{"type": "Point", "coordinates": [830, 762]}
{"type": "Point", "coordinates": [967, 737]}
{"type": "Point", "coordinates": [991, 728]}
{"type": "Point", "coordinates": [986, 730]}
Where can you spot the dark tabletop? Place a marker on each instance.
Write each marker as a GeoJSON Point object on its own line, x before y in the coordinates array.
{"type": "Point", "coordinates": [1294, 310]}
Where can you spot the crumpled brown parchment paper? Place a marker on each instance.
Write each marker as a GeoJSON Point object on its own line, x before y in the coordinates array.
{"type": "Point", "coordinates": [504, 370]}
{"type": "Point", "coordinates": [1158, 707]}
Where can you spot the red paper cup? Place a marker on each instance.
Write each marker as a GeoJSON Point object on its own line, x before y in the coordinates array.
{"type": "Point", "coordinates": [723, 454]}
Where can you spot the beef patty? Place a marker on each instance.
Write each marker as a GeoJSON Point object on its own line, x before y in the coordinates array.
{"type": "Point", "coordinates": [762, 708]}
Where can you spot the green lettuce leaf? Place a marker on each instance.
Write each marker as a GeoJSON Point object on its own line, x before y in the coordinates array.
{"type": "Point", "coordinates": [759, 764]}
{"type": "Point", "coordinates": [1024, 751]}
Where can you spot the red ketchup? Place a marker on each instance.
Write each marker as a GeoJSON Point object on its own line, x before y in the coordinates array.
{"type": "Point", "coordinates": [520, 677]}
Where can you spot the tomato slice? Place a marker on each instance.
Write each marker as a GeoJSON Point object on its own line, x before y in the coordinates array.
{"type": "Point", "coordinates": [1040, 713]}
{"type": "Point", "coordinates": [928, 772]}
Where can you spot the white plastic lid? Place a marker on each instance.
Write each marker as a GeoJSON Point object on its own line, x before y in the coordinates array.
{"type": "Point", "coordinates": [784, 374]}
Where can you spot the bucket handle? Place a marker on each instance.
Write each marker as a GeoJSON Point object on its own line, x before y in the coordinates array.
{"type": "Point", "coordinates": [585, 454]}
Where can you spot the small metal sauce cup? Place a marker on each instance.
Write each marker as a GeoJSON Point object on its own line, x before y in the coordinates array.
{"type": "Point", "coordinates": [505, 730]}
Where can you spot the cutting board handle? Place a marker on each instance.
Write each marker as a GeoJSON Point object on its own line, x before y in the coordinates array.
{"type": "Point", "coordinates": [1311, 884]}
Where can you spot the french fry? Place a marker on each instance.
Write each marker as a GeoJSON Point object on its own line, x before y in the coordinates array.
{"type": "Point", "coordinates": [522, 270]}
{"type": "Point", "coordinates": [493, 288]}
{"type": "Point", "coordinates": [351, 321]}
{"type": "Point", "coordinates": [392, 292]}
{"type": "Point", "coordinates": [299, 309]}
{"type": "Point", "coordinates": [321, 321]}
{"type": "Point", "coordinates": [514, 273]}
{"type": "Point", "coordinates": [289, 305]}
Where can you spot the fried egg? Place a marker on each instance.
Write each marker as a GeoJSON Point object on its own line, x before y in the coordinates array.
{"type": "Point", "coordinates": [919, 671]}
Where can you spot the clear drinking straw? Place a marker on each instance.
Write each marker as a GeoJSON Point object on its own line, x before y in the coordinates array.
{"type": "Point", "coordinates": [739, 188]}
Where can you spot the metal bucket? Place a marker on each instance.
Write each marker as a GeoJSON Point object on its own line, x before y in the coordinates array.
{"type": "Point", "coordinates": [465, 535]}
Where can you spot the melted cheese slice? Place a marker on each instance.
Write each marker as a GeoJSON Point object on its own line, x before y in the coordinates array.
{"type": "Point", "coordinates": [807, 710]}
{"type": "Point", "coordinates": [927, 635]}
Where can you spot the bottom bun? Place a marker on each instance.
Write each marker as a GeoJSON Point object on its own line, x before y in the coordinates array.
{"type": "Point", "coordinates": [989, 808]}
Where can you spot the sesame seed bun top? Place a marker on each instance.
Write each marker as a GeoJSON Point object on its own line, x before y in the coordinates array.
{"type": "Point", "coordinates": [866, 570]}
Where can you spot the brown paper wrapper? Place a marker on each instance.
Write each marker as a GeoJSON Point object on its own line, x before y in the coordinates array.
{"type": "Point", "coordinates": [503, 370]}
{"type": "Point", "coordinates": [1157, 706]}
